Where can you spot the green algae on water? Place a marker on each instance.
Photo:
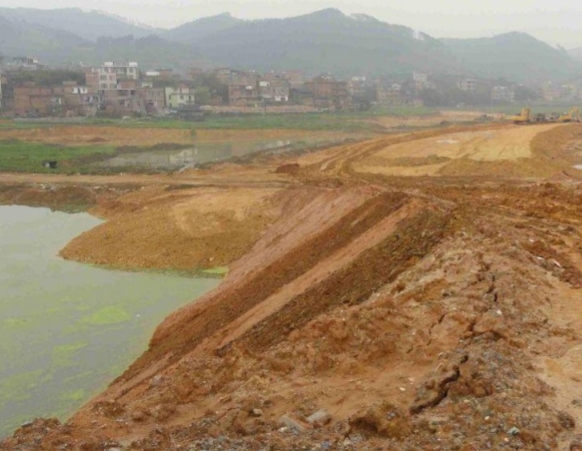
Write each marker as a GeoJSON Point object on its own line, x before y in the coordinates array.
{"type": "Point", "coordinates": [15, 322]}
{"type": "Point", "coordinates": [63, 354]}
{"type": "Point", "coordinates": [108, 315]}
{"type": "Point", "coordinates": [217, 271]}
{"type": "Point", "coordinates": [75, 395]}
{"type": "Point", "coordinates": [17, 387]}
{"type": "Point", "coordinates": [67, 329]}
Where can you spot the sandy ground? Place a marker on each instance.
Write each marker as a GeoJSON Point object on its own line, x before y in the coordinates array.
{"type": "Point", "coordinates": [431, 120]}
{"type": "Point", "coordinates": [434, 312]}
{"type": "Point", "coordinates": [430, 156]}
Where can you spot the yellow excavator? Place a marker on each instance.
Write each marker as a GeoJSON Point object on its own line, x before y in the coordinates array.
{"type": "Point", "coordinates": [572, 116]}
{"type": "Point", "coordinates": [523, 117]}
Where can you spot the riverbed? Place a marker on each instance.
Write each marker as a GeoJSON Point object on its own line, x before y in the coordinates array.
{"type": "Point", "coordinates": [68, 329]}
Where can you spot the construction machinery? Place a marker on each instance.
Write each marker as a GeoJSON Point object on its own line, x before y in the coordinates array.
{"type": "Point", "coordinates": [523, 118]}
{"type": "Point", "coordinates": [572, 116]}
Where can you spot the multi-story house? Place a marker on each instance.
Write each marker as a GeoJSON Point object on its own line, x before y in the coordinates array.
{"type": "Point", "coordinates": [181, 97]}
{"type": "Point", "coordinates": [243, 95]}
{"type": "Point", "coordinates": [390, 95]}
{"type": "Point", "coordinates": [67, 99]}
{"type": "Point", "coordinates": [274, 90]}
{"type": "Point", "coordinates": [467, 85]}
{"type": "Point", "coordinates": [79, 100]}
{"type": "Point", "coordinates": [357, 85]}
{"type": "Point", "coordinates": [154, 99]}
{"type": "Point", "coordinates": [329, 93]}
{"type": "Point", "coordinates": [162, 73]}
{"type": "Point", "coordinates": [236, 77]}
{"type": "Point", "coordinates": [99, 78]}
{"type": "Point", "coordinates": [296, 78]}
{"type": "Point", "coordinates": [502, 94]}
{"type": "Point", "coordinates": [123, 70]}
{"type": "Point", "coordinates": [25, 63]}
{"type": "Point", "coordinates": [32, 100]}
{"type": "Point", "coordinates": [420, 80]}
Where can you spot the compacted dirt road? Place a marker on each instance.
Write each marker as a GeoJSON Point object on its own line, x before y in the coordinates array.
{"type": "Point", "coordinates": [416, 291]}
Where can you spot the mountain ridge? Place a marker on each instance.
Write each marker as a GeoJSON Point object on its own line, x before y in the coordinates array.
{"type": "Point", "coordinates": [326, 40]}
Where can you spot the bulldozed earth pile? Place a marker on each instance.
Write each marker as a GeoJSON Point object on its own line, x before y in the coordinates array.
{"type": "Point", "coordinates": [367, 311]}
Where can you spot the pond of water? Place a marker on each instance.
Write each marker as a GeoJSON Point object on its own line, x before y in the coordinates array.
{"type": "Point", "coordinates": [203, 152]}
{"type": "Point", "coordinates": [68, 329]}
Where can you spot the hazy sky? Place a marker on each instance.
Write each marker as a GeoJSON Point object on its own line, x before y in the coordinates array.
{"type": "Point", "coordinates": [555, 21]}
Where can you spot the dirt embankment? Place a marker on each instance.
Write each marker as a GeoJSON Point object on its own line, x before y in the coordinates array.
{"type": "Point", "coordinates": [434, 313]}
{"type": "Point", "coordinates": [68, 198]}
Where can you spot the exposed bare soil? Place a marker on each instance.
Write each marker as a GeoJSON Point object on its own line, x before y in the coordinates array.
{"type": "Point", "coordinates": [431, 120]}
{"type": "Point", "coordinates": [435, 309]}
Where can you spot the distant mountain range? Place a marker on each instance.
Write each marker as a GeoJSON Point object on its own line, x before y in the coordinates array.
{"type": "Point", "coordinates": [323, 41]}
{"type": "Point", "coordinates": [87, 25]}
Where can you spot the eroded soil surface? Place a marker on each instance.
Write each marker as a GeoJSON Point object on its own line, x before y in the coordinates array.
{"type": "Point", "coordinates": [367, 307]}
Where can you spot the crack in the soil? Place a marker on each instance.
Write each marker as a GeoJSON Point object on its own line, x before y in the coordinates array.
{"type": "Point", "coordinates": [441, 391]}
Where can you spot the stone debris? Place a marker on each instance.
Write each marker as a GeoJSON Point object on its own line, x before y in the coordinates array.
{"type": "Point", "coordinates": [319, 418]}
{"type": "Point", "coordinates": [293, 423]}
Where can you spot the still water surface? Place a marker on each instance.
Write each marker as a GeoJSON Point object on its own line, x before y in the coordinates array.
{"type": "Point", "coordinates": [67, 329]}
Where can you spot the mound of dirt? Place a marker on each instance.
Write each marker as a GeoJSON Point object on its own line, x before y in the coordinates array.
{"type": "Point", "coordinates": [291, 168]}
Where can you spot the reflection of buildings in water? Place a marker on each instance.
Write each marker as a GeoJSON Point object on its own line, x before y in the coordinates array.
{"type": "Point", "coordinates": [189, 158]}
{"type": "Point", "coordinates": [158, 159]}
{"type": "Point", "coordinates": [262, 146]}
{"type": "Point", "coordinates": [274, 145]}
{"type": "Point", "coordinates": [212, 151]}
{"type": "Point", "coordinates": [186, 157]}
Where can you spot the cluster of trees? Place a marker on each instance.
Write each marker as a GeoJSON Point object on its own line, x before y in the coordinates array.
{"type": "Point", "coordinates": [47, 78]}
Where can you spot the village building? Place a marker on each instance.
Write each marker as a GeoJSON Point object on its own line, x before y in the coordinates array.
{"type": "Point", "coordinates": [502, 94]}
{"type": "Point", "coordinates": [181, 97]}
{"type": "Point", "coordinates": [390, 95]}
{"type": "Point", "coordinates": [467, 85]}
{"type": "Point", "coordinates": [243, 95]}
{"type": "Point", "coordinates": [274, 90]}
{"type": "Point", "coordinates": [357, 85]}
{"type": "Point", "coordinates": [32, 100]}
{"type": "Point", "coordinates": [296, 78]}
{"type": "Point", "coordinates": [328, 93]}
{"type": "Point", "coordinates": [559, 93]}
{"type": "Point", "coordinates": [154, 99]}
{"type": "Point", "coordinates": [98, 78]}
{"type": "Point", "coordinates": [67, 99]}
{"type": "Point", "coordinates": [162, 73]}
{"type": "Point", "coordinates": [228, 76]}
{"type": "Point", "coordinates": [123, 70]}
{"type": "Point", "coordinates": [25, 63]}
{"type": "Point", "coordinates": [420, 81]}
